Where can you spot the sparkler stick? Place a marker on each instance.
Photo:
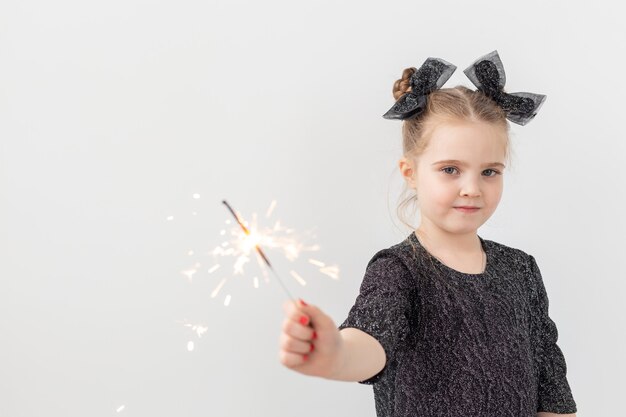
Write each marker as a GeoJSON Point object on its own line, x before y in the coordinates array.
{"type": "Point", "coordinates": [260, 252]}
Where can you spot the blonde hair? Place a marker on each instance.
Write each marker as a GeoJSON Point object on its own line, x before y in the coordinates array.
{"type": "Point", "coordinates": [443, 105]}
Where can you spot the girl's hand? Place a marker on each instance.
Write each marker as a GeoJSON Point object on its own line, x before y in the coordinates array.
{"type": "Point", "coordinates": [310, 343]}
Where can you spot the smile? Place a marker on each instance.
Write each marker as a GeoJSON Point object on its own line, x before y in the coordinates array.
{"type": "Point", "coordinates": [467, 209]}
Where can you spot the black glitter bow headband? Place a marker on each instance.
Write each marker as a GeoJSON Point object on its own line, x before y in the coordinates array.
{"type": "Point", "coordinates": [486, 73]}
{"type": "Point", "coordinates": [431, 76]}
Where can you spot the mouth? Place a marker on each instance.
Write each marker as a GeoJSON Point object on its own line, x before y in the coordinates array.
{"type": "Point", "coordinates": [467, 209]}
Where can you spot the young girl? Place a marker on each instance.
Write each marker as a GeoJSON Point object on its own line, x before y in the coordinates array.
{"type": "Point", "coordinates": [446, 323]}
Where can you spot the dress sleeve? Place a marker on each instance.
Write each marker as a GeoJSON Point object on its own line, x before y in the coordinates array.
{"type": "Point", "coordinates": [382, 307]}
{"type": "Point", "coordinates": [553, 391]}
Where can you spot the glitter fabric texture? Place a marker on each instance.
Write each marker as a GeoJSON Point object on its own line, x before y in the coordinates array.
{"type": "Point", "coordinates": [487, 74]}
{"type": "Point", "coordinates": [460, 344]}
{"type": "Point", "coordinates": [431, 76]}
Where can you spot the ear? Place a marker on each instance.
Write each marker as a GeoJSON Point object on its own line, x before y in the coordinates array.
{"type": "Point", "coordinates": [407, 169]}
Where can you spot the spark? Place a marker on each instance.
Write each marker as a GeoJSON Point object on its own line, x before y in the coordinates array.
{"type": "Point", "coordinates": [197, 328]}
{"type": "Point", "coordinates": [239, 263]}
{"type": "Point", "coordinates": [244, 225]}
{"type": "Point", "coordinates": [270, 209]}
{"type": "Point", "coordinates": [120, 408]}
{"type": "Point", "coordinates": [317, 263]}
{"type": "Point", "coordinates": [189, 273]}
{"type": "Point", "coordinates": [224, 252]}
{"type": "Point", "coordinates": [298, 278]}
{"type": "Point", "coordinates": [291, 252]}
{"type": "Point", "coordinates": [218, 288]}
{"type": "Point", "coordinates": [331, 271]}
{"type": "Point", "coordinates": [169, 218]}
{"type": "Point", "coordinates": [251, 237]}
{"type": "Point", "coordinates": [190, 345]}
{"type": "Point", "coordinates": [241, 238]}
{"type": "Point", "coordinates": [266, 276]}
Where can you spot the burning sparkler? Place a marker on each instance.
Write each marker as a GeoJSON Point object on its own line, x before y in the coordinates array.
{"type": "Point", "coordinates": [251, 237]}
{"type": "Point", "coordinates": [259, 250]}
{"type": "Point", "coordinates": [246, 238]}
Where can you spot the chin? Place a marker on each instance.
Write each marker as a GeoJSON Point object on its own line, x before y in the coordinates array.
{"type": "Point", "coordinates": [466, 227]}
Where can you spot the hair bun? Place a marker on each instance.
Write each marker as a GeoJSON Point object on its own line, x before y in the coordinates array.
{"type": "Point", "coordinates": [403, 85]}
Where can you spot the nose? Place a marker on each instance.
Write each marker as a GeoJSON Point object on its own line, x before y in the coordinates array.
{"type": "Point", "coordinates": [470, 188]}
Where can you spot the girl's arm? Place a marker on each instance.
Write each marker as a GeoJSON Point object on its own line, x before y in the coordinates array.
{"type": "Point", "coordinates": [554, 392]}
{"type": "Point", "coordinates": [312, 344]}
{"type": "Point", "coordinates": [361, 358]}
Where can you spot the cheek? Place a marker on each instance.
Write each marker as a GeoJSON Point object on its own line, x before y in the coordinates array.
{"type": "Point", "coordinates": [444, 195]}
{"type": "Point", "coordinates": [437, 193]}
{"type": "Point", "coordinates": [495, 192]}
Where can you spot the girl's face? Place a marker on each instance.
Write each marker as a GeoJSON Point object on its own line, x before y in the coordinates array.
{"type": "Point", "coordinates": [462, 166]}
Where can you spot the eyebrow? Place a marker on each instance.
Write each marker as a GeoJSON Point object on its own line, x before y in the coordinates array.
{"type": "Point", "coordinates": [456, 161]}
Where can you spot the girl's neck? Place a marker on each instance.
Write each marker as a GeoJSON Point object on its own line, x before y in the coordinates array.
{"type": "Point", "coordinates": [462, 253]}
{"type": "Point", "coordinates": [439, 241]}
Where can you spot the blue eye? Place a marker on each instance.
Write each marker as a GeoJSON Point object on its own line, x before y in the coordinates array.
{"type": "Point", "coordinates": [487, 170]}
{"type": "Point", "coordinates": [494, 171]}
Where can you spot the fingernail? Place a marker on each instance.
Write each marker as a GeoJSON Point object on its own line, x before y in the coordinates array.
{"type": "Point", "coordinates": [306, 357]}
{"type": "Point", "coordinates": [302, 302]}
{"type": "Point", "coordinates": [303, 320]}
{"type": "Point", "coordinates": [314, 335]}
{"type": "Point", "coordinates": [312, 347]}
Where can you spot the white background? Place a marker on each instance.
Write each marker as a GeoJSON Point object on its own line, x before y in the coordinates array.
{"type": "Point", "coordinates": [112, 114]}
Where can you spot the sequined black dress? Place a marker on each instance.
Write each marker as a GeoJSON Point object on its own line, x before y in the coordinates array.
{"type": "Point", "coordinates": [461, 344]}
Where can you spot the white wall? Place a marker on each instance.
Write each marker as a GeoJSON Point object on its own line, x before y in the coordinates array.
{"type": "Point", "coordinates": [112, 114]}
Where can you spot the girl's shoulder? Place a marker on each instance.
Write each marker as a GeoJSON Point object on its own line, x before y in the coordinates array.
{"type": "Point", "coordinates": [509, 258]}
{"type": "Point", "coordinates": [409, 253]}
{"type": "Point", "coordinates": [500, 249]}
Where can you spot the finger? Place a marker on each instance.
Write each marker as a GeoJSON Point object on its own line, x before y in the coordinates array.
{"type": "Point", "coordinates": [288, 307]}
{"type": "Point", "coordinates": [292, 345]}
{"type": "Point", "coordinates": [316, 316]}
{"type": "Point", "coordinates": [296, 313]}
{"type": "Point", "coordinates": [296, 330]}
{"type": "Point", "coordinates": [292, 310]}
{"type": "Point", "coordinates": [292, 360]}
